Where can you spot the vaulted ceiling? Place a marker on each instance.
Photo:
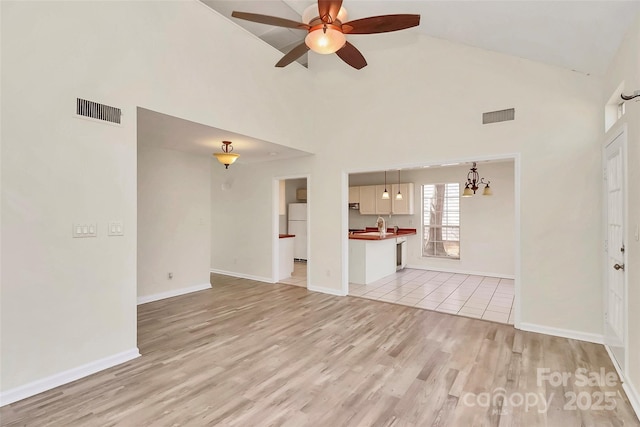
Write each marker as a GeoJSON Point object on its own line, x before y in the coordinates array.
{"type": "Point", "coordinates": [578, 35]}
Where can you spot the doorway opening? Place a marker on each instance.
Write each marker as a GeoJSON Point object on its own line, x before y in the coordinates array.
{"type": "Point", "coordinates": [291, 245]}
{"type": "Point", "coordinates": [479, 279]}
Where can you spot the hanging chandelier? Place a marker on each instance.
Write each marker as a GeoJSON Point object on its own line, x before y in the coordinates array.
{"type": "Point", "coordinates": [473, 183]}
{"type": "Point", "coordinates": [226, 157]}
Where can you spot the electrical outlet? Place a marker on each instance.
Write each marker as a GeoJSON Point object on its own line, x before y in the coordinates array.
{"type": "Point", "coordinates": [170, 275]}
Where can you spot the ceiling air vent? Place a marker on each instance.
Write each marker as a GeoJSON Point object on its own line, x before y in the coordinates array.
{"type": "Point", "coordinates": [498, 116]}
{"type": "Point", "coordinates": [98, 111]}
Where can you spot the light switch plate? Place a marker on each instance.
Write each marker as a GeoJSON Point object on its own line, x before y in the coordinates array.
{"type": "Point", "coordinates": [85, 230]}
{"type": "Point", "coordinates": [115, 228]}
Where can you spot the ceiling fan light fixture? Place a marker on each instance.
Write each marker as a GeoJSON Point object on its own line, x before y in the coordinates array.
{"type": "Point", "coordinates": [325, 39]}
{"type": "Point", "coordinates": [311, 13]}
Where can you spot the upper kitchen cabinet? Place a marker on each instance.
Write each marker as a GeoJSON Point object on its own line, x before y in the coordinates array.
{"type": "Point", "coordinates": [354, 194]}
{"type": "Point", "coordinates": [404, 206]}
{"type": "Point", "coordinates": [367, 199]}
{"type": "Point", "coordinates": [371, 202]}
{"type": "Point", "coordinates": [383, 206]}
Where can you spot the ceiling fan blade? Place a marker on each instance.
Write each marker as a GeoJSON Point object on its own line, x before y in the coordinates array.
{"type": "Point", "coordinates": [352, 56]}
{"type": "Point", "coordinates": [269, 20]}
{"type": "Point", "coordinates": [328, 10]}
{"type": "Point", "coordinates": [381, 24]}
{"type": "Point", "coordinates": [293, 54]}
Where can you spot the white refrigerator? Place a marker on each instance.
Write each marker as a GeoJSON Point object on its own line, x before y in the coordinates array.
{"type": "Point", "coordinates": [298, 226]}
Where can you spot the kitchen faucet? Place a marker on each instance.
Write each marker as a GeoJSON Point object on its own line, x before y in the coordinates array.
{"type": "Point", "coordinates": [382, 226]}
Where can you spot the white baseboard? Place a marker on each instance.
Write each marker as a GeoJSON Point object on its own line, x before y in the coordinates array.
{"type": "Point", "coordinates": [173, 293]}
{"type": "Point", "coordinates": [330, 291]}
{"type": "Point", "coordinates": [627, 385]}
{"type": "Point", "coordinates": [56, 380]}
{"type": "Point", "coordinates": [564, 333]}
{"type": "Point", "coordinates": [457, 271]}
{"type": "Point", "coordinates": [243, 276]}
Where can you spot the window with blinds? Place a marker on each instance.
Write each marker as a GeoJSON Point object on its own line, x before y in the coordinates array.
{"type": "Point", "coordinates": [441, 220]}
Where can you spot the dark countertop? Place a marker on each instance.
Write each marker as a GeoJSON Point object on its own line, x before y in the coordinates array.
{"type": "Point", "coordinates": [364, 235]}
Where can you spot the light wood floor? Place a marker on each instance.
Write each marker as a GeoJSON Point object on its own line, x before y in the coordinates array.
{"type": "Point", "coordinates": [251, 354]}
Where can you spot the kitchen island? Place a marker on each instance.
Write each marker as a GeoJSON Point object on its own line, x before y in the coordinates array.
{"type": "Point", "coordinates": [373, 256]}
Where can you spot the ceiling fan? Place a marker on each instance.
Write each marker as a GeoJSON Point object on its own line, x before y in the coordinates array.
{"type": "Point", "coordinates": [327, 28]}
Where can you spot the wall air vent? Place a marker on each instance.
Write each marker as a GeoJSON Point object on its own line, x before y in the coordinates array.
{"type": "Point", "coordinates": [498, 116]}
{"type": "Point", "coordinates": [98, 111]}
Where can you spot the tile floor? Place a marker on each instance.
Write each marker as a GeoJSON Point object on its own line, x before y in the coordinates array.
{"type": "Point", "coordinates": [480, 297]}
{"type": "Point", "coordinates": [299, 276]}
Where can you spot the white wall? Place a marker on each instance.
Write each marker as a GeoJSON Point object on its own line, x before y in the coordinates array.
{"type": "Point", "coordinates": [625, 69]}
{"type": "Point", "coordinates": [487, 224]}
{"type": "Point", "coordinates": [426, 108]}
{"type": "Point", "coordinates": [241, 215]}
{"type": "Point", "coordinates": [69, 302]}
{"type": "Point", "coordinates": [174, 220]}
{"type": "Point", "coordinates": [420, 99]}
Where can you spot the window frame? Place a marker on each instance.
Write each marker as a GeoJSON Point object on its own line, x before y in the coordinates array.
{"type": "Point", "coordinates": [447, 214]}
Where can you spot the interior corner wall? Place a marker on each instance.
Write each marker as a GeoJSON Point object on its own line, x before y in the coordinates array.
{"type": "Point", "coordinates": [74, 299]}
{"type": "Point", "coordinates": [487, 224]}
{"type": "Point", "coordinates": [625, 69]}
{"type": "Point", "coordinates": [174, 221]}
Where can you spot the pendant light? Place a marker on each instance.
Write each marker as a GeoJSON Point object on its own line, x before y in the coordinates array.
{"type": "Point", "coordinates": [399, 195]}
{"type": "Point", "coordinates": [226, 157]}
{"type": "Point", "coordinates": [385, 194]}
{"type": "Point", "coordinates": [473, 183]}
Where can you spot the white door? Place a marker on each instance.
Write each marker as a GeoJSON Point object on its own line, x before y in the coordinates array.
{"type": "Point", "coordinates": [615, 280]}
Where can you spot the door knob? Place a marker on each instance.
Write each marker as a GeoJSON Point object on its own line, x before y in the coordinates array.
{"type": "Point", "coordinates": [619, 267]}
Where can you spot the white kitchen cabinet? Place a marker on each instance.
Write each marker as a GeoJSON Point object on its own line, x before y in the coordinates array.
{"type": "Point", "coordinates": [383, 206]}
{"type": "Point", "coordinates": [354, 194]}
{"type": "Point", "coordinates": [368, 200]}
{"type": "Point", "coordinates": [285, 264]}
{"type": "Point", "coordinates": [404, 206]}
{"type": "Point", "coordinates": [372, 203]}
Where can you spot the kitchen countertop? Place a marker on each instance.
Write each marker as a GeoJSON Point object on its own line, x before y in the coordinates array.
{"type": "Point", "coordinates": [365, 235]}
{"type": "Point", "coordinates": [286, 236]}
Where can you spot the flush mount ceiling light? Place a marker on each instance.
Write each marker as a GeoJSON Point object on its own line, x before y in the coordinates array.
{"type": "Point", "coordinates": [399, 195]}
{"type": "Point", "coordinates": [473, 181]}
{"type": "Point", "coordinates": [385, 194]}
{"type": "Point", "coordinates": [327, 28]}
{"type": "Point", "coordinates": [226, 157]}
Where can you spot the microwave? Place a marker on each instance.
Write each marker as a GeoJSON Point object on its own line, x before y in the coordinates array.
{"type": "Point", "coordinates": [354, 206]}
